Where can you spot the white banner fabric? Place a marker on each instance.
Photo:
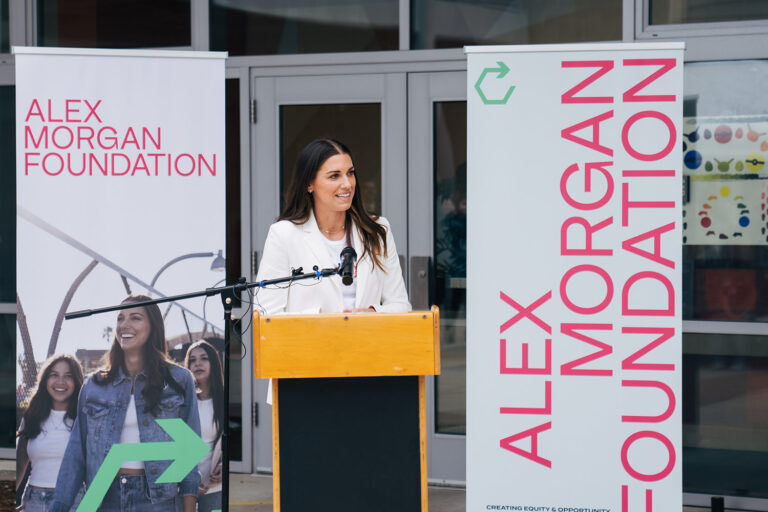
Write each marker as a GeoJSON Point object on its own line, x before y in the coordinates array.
{"type": "Point", "coordinates": [120, 189]}
{"type": "Point", "coordinates": [574, 277]}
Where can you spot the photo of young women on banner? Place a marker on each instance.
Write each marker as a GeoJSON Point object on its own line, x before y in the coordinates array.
{"type": "Point", "coordinates": [204, 362]}
{"type": "Point", "coordinates": [119, 402]}
{"type": "Point", "coordinates": [138, 211]}
{"type": "Point", "coordinates": [45, 430]}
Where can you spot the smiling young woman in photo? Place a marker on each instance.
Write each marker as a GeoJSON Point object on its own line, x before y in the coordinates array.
{"type": "Point", "coordinates": [45, 429]}
{"type": "Point", "coordinates": [119, 404]}
{"type": "Point", "coordinates": [203, 361]}
{"type": "Point", "coordinates": [324, 213]}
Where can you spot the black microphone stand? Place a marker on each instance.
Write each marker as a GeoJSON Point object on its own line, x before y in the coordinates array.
{"type": "Point", "coordinates": [229, 294]}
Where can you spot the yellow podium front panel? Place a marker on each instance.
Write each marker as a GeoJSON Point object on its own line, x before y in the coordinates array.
{"type": "Point", "coordinates": [347, 345]}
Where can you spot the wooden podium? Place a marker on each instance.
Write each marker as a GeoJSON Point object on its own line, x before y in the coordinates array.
{"type": "Point", "coordinates": [348, 408]}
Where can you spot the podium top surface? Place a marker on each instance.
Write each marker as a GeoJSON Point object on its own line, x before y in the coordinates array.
{"type": "Point", "coordinates": [346, 345]}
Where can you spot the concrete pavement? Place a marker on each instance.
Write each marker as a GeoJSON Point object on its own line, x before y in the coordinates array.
{"type": "Point", "coordinates": [253, 493]}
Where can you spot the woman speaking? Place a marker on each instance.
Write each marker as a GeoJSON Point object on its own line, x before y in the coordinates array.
{"type": "Point", "coordinates": [323, 214]}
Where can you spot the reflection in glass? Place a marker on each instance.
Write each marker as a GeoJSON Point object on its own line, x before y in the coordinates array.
{"type": "Point", "coordinates": [725, 277]}
{"type": "Point", "coordinates": [114, 24]}
{"type": "Point", "coordinates": [664, 12]}
{"type": "Point", "coordinates": [7, 381]}
{"type": "Point", "coordinates": [234, 268]}
{"type": "Point", "coordinates": [4, 27]}
{"type": "Point", "coordinates": [357, 125]}
{"type": "Point", "coordinates": [725, 144]}
{"type": "Point", "coordinates": [7, 194]}
{"type": "Point", "coordinates": [301, 26]}
{"type": "Point", "coordinates": [725, 420]}
{"type": "Point", "coordinates": [236, 357]}
{"type": "Point", "coordinates": [455, 23]}
{"type": "Point", "coordinates": [450, 250]}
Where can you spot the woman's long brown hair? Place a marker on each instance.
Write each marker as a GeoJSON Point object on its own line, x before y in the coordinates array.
{"type": "Point", "coordinates": [216, 381]}
{"type": "Point", "coordinates": [41, 403]}
{"type": "Point", "coordinates": [156, 362]}
{"type": "Point", "coordinates": [299, 202]}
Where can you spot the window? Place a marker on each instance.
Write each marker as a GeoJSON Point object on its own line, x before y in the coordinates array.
{"type": "Point", "coordinates": [4, 27]}
{"type": "Point", "coordinates": [7, 194]}
{"type": "Point", "coordinates": [725, 277]}
{"type": "Point", "coordinates": [298, 26]}
{"type": "Point", "coordinates": [114, 24]}
{"type": "Point", "coordinates": [456, 23]}
{"type": "Point", "coordinates": [664, 12]}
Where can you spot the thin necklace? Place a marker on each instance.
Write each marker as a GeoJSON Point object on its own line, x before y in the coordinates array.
{"type": "Point", "coordinates": [332, 231]}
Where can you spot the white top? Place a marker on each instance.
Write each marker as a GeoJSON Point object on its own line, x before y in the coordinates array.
{"type": "Point", "coordinates": [47, 449]}
{"type": "Point", "coordinates": [347, 292]}
{"type": "Point", "coordinates": [289, 245]}
{"type": "Point", "coordinates": [208, 433]}
{"type": "Point", "coordinates": [130, 433]}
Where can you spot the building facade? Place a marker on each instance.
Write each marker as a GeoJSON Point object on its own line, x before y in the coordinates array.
{"type": "Point", "coordinates": [389, 78]}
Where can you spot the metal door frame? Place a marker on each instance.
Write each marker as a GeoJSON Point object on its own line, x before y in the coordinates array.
{"type": "Point", "coordinates": [446, 453]}
{"type": "Point", "coordinates": [292, 88]}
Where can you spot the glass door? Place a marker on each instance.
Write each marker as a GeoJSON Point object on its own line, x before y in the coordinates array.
{"type": "Point", "coordinates": [367, 112]}
{"type": "Point", "coordinates": [437, 186]}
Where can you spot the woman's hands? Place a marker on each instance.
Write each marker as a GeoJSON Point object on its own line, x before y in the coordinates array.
{"type": "Point", "coordinates": [216, 475]}
{"type": "Point", "coordinates": [369, 309]}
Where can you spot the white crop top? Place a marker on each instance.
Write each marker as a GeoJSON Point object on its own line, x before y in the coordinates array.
{"type": "Point", "coordinates": [208, 433]}
{"type": "Point", "coordinates": [47, 449]}
{"type": "Point", "coordinates": [348, 292]}
{"type": "Point", "coordinates": [130, 433]}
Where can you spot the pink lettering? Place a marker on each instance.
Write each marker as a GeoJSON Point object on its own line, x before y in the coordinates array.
{"type": "Point", "coordinates": [586, 310]}
{"type": "Point", "coordinates": [526, 312]}
{"type": "Point", "coordinates": [525, 368]}
{"type": "Point", "coordinates": [664, 333]}
{"type": "Point", "coordinates": [626, 204]}
{"type": "Point", "coordinates": [604, 66]}
{"type": "Point", "coordinates": [51, 119]}
{"type": "Point", "coordinates": [92, 111]}
{"type": "Point", "coordinates": [648, 434]}
{"type": "Point", "coordinates": [34, 110]}
{"type": "Point", "coordinates": [589, 230]}
{"type": "Point", "coordinates": [651, 384]}
{"type": "Point", "coordinates": [594, 143]}
{"type": "Point", "coordinates": [604, 349]}
{"type": "Point", "coordinates": [533, 454]}
{"type": "Point", "coordinates": [29, 135]}
{"type": "Point", "coordinates": [70, 109]}
{"type": "Point", "coordinates": [547, 409]}
{"type": "Point", "coordinates": [29, 163]}
{"type": "Point", "coordinates": [669, 310]}
{"type": "Point", "coordinates": [588, 168]}
{"type": "Point", "coordinates": [625, 499]}
{"type": "Point", "coordinates": [666, 65]}
{"type": "Point", "coordinates": [652, 114]}
{"type": "Point", "coordinates": [655, 234]}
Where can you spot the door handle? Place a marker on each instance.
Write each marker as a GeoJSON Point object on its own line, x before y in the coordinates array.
{"type": "Point", "coordinates": [421, 282]}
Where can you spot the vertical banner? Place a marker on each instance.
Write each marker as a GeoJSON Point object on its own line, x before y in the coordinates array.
{"type": "Point", "coordinates": [574, 277]}
{"type": "Point", "coordinates": [120, 192]}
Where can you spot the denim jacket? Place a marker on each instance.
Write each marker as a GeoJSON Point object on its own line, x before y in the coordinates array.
{"type": "Point", "coordinates": [98, 426]}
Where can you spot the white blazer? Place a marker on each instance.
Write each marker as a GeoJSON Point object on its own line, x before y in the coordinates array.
{"type": "Point", "coordinates": [290, 246]}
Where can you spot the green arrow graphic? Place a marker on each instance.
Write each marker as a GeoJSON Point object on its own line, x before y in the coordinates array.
{"type": "Point", "coordinates": [501, 71]}
{"type": "Point", "coordinates": [186, 450]}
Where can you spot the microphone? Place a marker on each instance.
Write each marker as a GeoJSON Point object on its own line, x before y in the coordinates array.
{"type": "Point", "coordinates": [347, 265]}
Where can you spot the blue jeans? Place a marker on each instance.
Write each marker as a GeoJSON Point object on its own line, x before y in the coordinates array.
{"type": "Point", "coordinates": [129, 493]}
{"type": "Point", "coordinates": [209, 502]}
{"type": "Point", "coordinates": [39, 500]}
